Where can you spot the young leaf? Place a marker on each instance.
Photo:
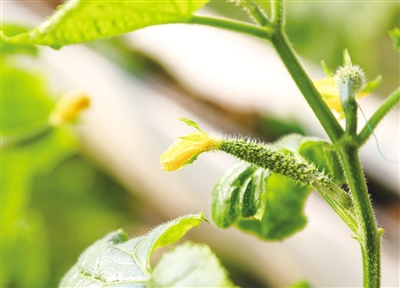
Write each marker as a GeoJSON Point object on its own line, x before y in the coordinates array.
{"type": "Point", "coordinates": [259, 202]}
{"type": "Point", "coordinates": [79, 21]}
{"type": "Point", "coordinates": [326, 160]}
{"type": "Point", "coordinates": [286, 188]}
{"type": "Point", "coordinates": [395, 33]}
{"type": "Point", "coordinates": [239, 193]}
{"type": "Point", "coordinates": [372, 85]}
{"type": "Point", "coordinates": [189, 265]}
{"type": "Point", "coordinates": [116, 261]}
{"type": "Point", "coordinates": [283, 214]}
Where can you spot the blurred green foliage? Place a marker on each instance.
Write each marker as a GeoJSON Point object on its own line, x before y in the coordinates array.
{"type": "Point", "coordinates": [395, 33]}
{"type": "Point", "coordinates": [24, 240]}
{"type": "Point", "coordinates": [54, 204]}
{"type": "Point", "coordinates": [80, 204]}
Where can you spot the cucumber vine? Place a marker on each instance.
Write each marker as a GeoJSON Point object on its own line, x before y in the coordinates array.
{"type": "Point", "coordinates": [242, 196]}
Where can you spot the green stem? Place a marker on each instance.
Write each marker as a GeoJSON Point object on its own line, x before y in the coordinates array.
{"type": "Point", "coordinates": [255, 12]}
{"type": "Point", "coordinates": [262, 32]}
{"type": "Point", "coordinates": [278, 16]}
{"type": "Point", "coordinates": [349, 104]}
{"type": "Point", "coordinates": [306, 86]}
{"type": "Point", "coordinates": [7, 142]}
{"type": "Point", "coordinates": [368, 234]}
{"type": "Point", "coordinates": [382, 111]}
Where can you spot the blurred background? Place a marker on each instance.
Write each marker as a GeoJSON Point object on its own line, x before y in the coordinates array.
{"type": "Point", "coordinates": [63, 190]}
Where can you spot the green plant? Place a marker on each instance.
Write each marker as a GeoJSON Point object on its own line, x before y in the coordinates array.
{"type": "Point", "coordinates": [251, 193]}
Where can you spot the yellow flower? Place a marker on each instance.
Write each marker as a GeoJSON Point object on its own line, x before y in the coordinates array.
{"type": "Point", "coordinates": [330, 92]}
{"type": "Point", "coordinates": [187, 148]}
{"type": "Point", "coordinates": [329, 89]}
{"type": "Point", "coordinates": [68, 108]}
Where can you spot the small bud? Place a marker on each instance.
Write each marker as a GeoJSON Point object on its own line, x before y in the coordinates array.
{"type": "Point", "coordinates": [68, 108]}
{"type": "Point", "coordinates": [353, 73]}
{"type": "Point", "coordinates": [330, 85]}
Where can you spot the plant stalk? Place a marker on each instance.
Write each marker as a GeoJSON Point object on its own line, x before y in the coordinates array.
{"type": "Point", "coordinates": [349, 105]}
{"type": "Point", "coordinates": [306, 86]}
{"type": "Point", "coordinates": [368, 234]}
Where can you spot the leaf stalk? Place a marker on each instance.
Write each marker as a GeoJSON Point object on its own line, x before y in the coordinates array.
{"type": "Point", "coordinates": [233, 25]}
{"type": "Point", "coordinates": [379, 114]}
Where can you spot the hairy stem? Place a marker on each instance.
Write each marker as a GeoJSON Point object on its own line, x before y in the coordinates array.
{"type": "Point", "coordinates": [382, 111]}
{"type": "Point", "coordinates": [278, 13]}
{"type": "Point", "coordinates": [255, 12]}
{"type": "Point", "coordinates": [368, 234]}
{"type": "Point", "coordinates": [306, 86]}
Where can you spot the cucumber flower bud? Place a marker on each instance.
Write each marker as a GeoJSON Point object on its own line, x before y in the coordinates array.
{"type": "Point", "coordinates": [68, 108]}
{"type": "Point", "coordinates": [353, 73]}
{"type": "Point", "coordinates": [328, 86]}
{"type": "Point", "coordinates": [187, 148]}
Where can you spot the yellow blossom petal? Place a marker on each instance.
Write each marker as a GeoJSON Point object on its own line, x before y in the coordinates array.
{"type": "Point", "coordinates": [69, 107]}
{"type": "Point", "coordinates": [330, 93]}
{"type": "Point", "coordinates": [327, 87]}
{"type": "Point", "coordinates": [186, 149]}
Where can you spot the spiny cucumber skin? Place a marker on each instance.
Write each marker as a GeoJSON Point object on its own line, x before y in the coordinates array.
{"type": "Point", "coordinates": [274, 160]}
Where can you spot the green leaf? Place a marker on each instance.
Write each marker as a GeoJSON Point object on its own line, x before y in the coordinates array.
{"type": "Point", "coordinates": [115, 260]}
{"type": "Point", "coordinates": [289, 142]}
{"type": "Point", "coordinates": [395, 33]}
{"type": "Point", "coordinates": [259, 202]}
{"type": "Point", "coordinates": [190, 123]}
{"type": "Point", "coordinates": [8, 48]}
{"type": "Point", "coordinates": [346, 58]}
{"type": "Point", "coordinates": [328, 71]}
{"type": "Point", "coordinates": [283, 214]}
{"type": "Point", "coordinates": [86, 20]}
{"type": "Point", "coordinates": [189, 265]}
{"type": "Point", "coordinates": [326, 160]}
{"type": "Point", "coordinates": [314, 150]}
{"type": "Point", "coordinates": [239, 193]}
{"type": "Point", "coordinates": [25, 102]}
